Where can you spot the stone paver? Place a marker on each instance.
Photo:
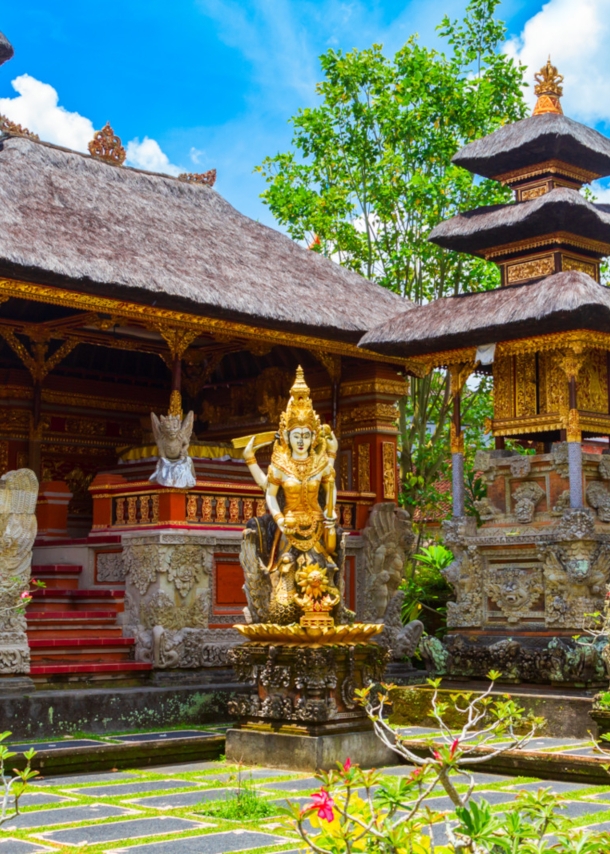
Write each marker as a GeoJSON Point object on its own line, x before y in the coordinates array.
{"type": "Point", "coordinates": [167, 736]}
{"type": "Point", "coordinates": [178, 800]}
{"type": "Point", "coordinates": [39, 799]}
{"type": "Point", "coordinates": [94, 834]}
{"type": "Point", "coordinates": [558, 787]}
{"type": "Point", "coordinates": [135, 788]}
{"type": "Point", "coordinates": [306, 784]}
{"type": "Point", "coordinates": [71, 780]}
{"type": "Point", "coordinates": [65, 815]}
{"type": "Point", "coordinates": [213, 843]}
{"type": "Point", "coordinates": [18, 846]}
{"type": "Point", "coordinates": [54, 745]}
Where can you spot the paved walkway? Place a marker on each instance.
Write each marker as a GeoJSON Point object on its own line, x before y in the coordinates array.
{"type": "Point", "coordinates": [159, 811]}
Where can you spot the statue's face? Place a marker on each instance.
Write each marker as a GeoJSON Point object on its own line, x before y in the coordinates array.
{"type": "Point", "coordinates": [300, 439]}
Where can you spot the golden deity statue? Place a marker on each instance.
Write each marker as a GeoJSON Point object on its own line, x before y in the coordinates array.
{"type": "Point", "coordinates": [292, 559]}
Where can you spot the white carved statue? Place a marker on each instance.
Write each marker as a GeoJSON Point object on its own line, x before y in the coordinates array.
{"type": "Point", "coordinates": [174, 466]}
{"type": "Point", "coordinates": [18, 496]}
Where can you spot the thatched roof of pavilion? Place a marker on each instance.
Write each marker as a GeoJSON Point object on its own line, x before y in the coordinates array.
{"type": "Point", "coordinates": [560, 210]}
{"type": "Point", "coordinates": [75, 222]}
{"type": "Point", "coordinates": [533, 140]}
{"type": "Point", "coordinates": [559, 303]}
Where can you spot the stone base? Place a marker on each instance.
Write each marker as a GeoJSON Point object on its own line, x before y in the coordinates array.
{"type": "Point", "coordinates": [402, 673]}
{"type": "Point", "coordinates": [306, 752]}
{"type": "Point", "coordinates": [16, 684]}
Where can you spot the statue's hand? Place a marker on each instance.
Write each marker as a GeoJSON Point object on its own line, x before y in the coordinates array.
{"type": "Point", "coordinates": [248, 454]}
{"type": "Point", "coordinates": [330, 520]}
{"type": "Point", "coordinates": [332, 443]}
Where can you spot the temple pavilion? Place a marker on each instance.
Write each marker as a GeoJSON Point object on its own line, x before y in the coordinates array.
{"type": "Point", "coordinates": [540, 561]}
{"type": "Point", "coordinates": [117, 288]}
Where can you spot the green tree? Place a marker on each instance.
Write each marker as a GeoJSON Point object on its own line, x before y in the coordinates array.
{"type": "Point", "coordinates": [370, 175]}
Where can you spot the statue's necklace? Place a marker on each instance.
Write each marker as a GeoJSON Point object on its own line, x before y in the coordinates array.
{"type": "Point", "coordinates": [302, 467]}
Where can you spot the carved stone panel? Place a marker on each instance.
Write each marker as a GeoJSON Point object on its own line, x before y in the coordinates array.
{"type": "Point", "coordinates": [388, 539]}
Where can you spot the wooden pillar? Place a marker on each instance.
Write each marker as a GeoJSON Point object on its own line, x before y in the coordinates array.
{"type": "Point", "coordinates": [35, 437]}
{"type": "Point", "coordinates": [175, 399]}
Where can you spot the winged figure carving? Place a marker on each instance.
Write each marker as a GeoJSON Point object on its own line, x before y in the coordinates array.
{"type": "Point", "coordinates": [173, 435]}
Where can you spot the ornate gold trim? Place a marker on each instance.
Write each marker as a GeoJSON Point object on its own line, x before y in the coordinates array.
{"type": "Point", "coordinates": [554, 239]}
{"type": "Point", "coordinates": [145, 314]}
{"type": "Point", "coordinates": [573, 430]}
{"type": "Point", "coordinates": [549, 167]}
{"type": "Point", "coordinates": [521, 271]}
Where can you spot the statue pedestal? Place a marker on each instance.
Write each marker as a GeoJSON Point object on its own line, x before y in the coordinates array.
{"type": "Point", "coordinates": [303, 713]}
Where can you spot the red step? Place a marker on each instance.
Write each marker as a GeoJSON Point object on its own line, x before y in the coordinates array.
{"type": "Point", "coordinates": [60, 575]}
{"type": "Point", "coordinates": [72, 624]}
{"type": "Point", "coordinates": [85, 650]}
{"type": "Point", "coordinates": [69, 599]}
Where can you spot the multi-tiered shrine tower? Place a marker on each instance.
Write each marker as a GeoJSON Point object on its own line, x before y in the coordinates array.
{"type": "Point", "coordinates": [525, 580]}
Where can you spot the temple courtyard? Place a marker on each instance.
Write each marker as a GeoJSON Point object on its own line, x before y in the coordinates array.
{"type": "Point", "coordinates": [168, 808]}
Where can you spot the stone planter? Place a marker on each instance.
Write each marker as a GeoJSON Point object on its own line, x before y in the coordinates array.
{"type": "Point", "coordinates": [602, 719]}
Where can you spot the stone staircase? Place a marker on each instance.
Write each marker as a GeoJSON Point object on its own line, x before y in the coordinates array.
{"type": "Point", "coordinates": [73, 632]}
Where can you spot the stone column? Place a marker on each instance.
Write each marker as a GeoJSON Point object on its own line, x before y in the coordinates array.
{"type": "Point", "coordinates": [574, 437]}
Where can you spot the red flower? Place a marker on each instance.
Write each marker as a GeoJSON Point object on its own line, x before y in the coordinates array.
{"type": "Point", "coordinates": [416, 772]}
{"type": "Point", "coordinates": [454, 747]}
{"type": "Point", "coordinates": [437, 755]}
{"type": "Point", "coordinates": [324, 804]}
{"type": "Point", "coordinates": [348, 764]}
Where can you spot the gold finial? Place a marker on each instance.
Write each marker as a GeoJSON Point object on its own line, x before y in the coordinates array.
{"type": "Point", "coordinates": [106, 146]}
{"type": "Point", "coordinates": [548, 90]}
{"type": "Point", "coordinates": [175, 404]}
{"type": "Point", "coordinates": [299, 412]}
{"type": "Point", "coordinates": [208, 178]}
{"type": "Point", "coordinates": [7, 126]}
{"type": "Point", "coordinates": [300, 389]}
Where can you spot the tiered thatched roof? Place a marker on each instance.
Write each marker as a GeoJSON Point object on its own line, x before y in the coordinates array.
{"type": "Point", "coordinates": [561, 210]}
{"type": "Point", "coordinates": [534, 140]}
{"type": "Point", "coordinates": [72, 221]}
{"type": "Point", "coordinates": [559, 303]}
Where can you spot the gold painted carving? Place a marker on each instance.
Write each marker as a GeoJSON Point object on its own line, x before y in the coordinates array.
{"type": "Point", "coordinates": [331, 362]}
{"type": "Point", "coordinates": [558, 238]}
{"type": "Point", "coordinates": [549, 167]}
{"type": "Point", "coordinates": [593, 382]}
{"type": "Point", "coordinates": [3, 457]}
{"type": "Point", "coordinates": [7, 126]}
{"type": "Point", "coordinates": [177, 339]}
{"type": "Point", "coordinates": [37, 363]}
{"type": "Point", "coordinates": [548, 90]}
{"type": "Point", "coordinates": [536, 268]}
{"type": "Point", "coordinates": [396, 388]}
{"type": "Point", "coordinates": [569, 263]}
{"type": "Point", "coordinates": [369, 413]}
{"type": "Point", "coordinates": [456, 441]}
{"type": "Point", "coordinates": [388, 452]}
{"type": "Point", "coordinates": [420, 368]}
{"type": "Point", "coordinates": [571, 361]}
{"type": "Point", "coordinates": [106, 146]}
{"type": "Point", "coordinates": [191, 507]}
{"type": "Point", "coordinates": [208, 178]}
{"type": "Point", "coordinates": [525, 384]}
{"type": "Point", "coordinates": [573, 431]}
{"type": "Point", "coordinates": [459, 373]}
{"type": "Point", "coordinates": [503, 385]}
{"type": "Point", "coordinates": [364, 467]}
{"type": "Point", "coordinates": [530, 193]}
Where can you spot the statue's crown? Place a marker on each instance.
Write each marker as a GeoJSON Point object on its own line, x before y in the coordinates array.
{"type": "Point", "coordinates": [299, 412]}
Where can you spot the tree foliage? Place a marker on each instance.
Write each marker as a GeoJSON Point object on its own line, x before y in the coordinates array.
{"type": "Point", "coordinates": [370, 175]}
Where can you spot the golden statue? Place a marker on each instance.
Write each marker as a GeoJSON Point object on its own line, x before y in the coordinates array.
{"type": "Point", "coordinates": [292, 560]}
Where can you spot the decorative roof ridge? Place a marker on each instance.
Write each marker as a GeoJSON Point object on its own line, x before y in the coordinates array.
{"type": "Point", "coordinates": [548, 90]}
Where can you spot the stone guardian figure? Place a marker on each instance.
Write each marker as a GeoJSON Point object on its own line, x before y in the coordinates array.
{"type": "Point", "coordinates": [174, 466]}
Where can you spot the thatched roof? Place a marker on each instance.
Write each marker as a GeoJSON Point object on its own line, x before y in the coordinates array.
{"type": "Point", "coordinates": [72, 221]}
{"type": "Point", "coordinates": [535, 140]}
{"type": "Point", "coordinates": [558, 303]}
{"type": "Point", "coordinates": [560, 210]}
{"type": "Point", "coordinates": [6, 49]}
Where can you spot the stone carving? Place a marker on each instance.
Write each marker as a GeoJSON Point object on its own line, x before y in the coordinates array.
{"type": "Point", "coordinates": [434, 654]}
{"type": "Point", "coordinates": [563, 504]}
{"type": "Point", "coordinates": [599, 498]}
{"type": "Point", "coordinates": [487, 511]}
{"type": "Point", "coordinates": [110, 567]}
{"type": "Point", "coordinates": [515, 590]}
{"type": "Point", "coordinates": [575, 524]}
{"type": "Point", "coordinates": [526, 497]}
{"type": "Point", "coordinates": [401, 640]}
{"type": "Point", "coordinates": [182, 570]}
{"type": "Point", "coordinates": [141, 566]}
{"type": "Point", "coordinates": [520, 466]}
{"type": "Point", "coordinates": [484, 463]}
{"type": "Point", "coordinates": [575, 577]}
{"type": "Point", "coordinates": [465, 575]}
{"type": "Point", "coordinates": [174, 466]}
{"type": "Point", "coordinates": [604, 466]}
{"type": "Point", "coordinates": [186, 649]}
{"type": "Point", "coordinates": [18, 496]}
{"type": "Point", "coordinates": [560, 458]}
{"type": "Point", "coordinates": [388, 539]}
{"type": "Point", "coordinates": [457, 531]}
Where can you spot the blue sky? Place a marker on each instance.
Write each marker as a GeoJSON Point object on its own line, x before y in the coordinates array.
{"type": "Point", "coordinates": [196, 84]}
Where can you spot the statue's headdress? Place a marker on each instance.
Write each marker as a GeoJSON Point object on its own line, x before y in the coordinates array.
{"type": "Point", "coordinates": [299, 412]}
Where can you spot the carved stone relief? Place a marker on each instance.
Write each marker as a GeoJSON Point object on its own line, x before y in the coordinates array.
{"type": "Point", "coordinates": [388, 539]}
{"type": "Point", "coordinates": [514, 590]}
{"type": "Point", "coordinates": [526, 497]}
{"type": "Point", "coordinates": [599, 498]}
{"type": "Point", "coordinates": [604, 466]}
{"type": "Point", "coordinates": [560, 458]}
{"type": "Point", "coordinates": [465, 575]}
{"type": "Point", "coordinates": [520, 466]}
{"type": "Point", "coordinates": [18, 496]}
{"type": "Point", "coordinates": [110, 567]}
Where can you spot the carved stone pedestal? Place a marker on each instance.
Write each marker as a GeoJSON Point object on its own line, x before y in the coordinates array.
{"type": "Point", "coordinates": [302, 713]}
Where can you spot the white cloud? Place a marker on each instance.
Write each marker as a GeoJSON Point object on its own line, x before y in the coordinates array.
{"type": "Point", "coordinates": [577, 36]}
{"type": "Point", "coordinates": [196, 154]}
{"type": "Point", "coordinates": [36, 107]}
{"type": "Point", "coordinates": [149, 156]}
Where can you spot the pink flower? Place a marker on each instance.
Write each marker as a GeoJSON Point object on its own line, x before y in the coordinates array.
{"type": "Point", "coordinates": [324, 804]}
{"type": "Point", "coordinates": [347, 764]}
{"type": "Point", "coordinates": [25, 595]}
{"type": "Point", "coordinates": [454, 747]}
{"type": "Point", "coordinates": [416, 772]}
{"type": "Point", "coordinates": [437, 755]}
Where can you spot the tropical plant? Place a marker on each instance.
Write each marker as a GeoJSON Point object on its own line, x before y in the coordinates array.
{"type": "Point", "coordinates": [370, 175]}
{"type": "Point", "coordinates": [244, 803]}
{"type": "Point", "coordinates": [425, 588]}
{"type": "Point", "coordinates": [362, 811]}
{"type": "Point", "coordinates": [13, 787]}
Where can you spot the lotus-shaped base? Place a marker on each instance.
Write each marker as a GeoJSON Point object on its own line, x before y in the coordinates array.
{"type": "Point", "coordinates": [352, 633]}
